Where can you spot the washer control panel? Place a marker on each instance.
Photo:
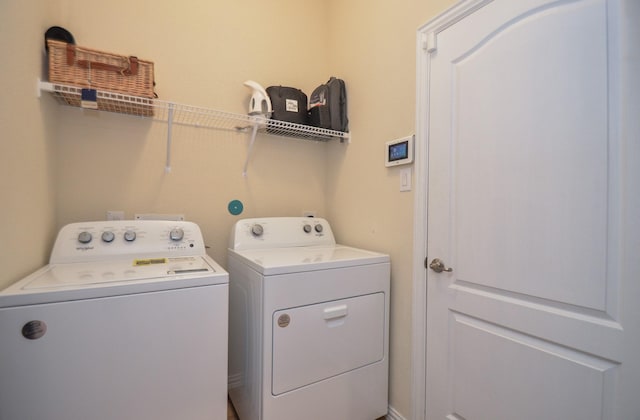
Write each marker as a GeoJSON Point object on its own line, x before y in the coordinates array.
{"type": "Point", "coordinates": [280, 232]}
{"type": "Point", "coordinates": [102, 240]}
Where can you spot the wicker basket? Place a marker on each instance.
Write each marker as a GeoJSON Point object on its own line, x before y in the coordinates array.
{"type": "Point", "coordinates": [83, 67]}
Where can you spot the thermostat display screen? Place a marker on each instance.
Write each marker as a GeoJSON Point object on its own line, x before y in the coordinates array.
{"type": "Point", "coordinates": [399, 151]}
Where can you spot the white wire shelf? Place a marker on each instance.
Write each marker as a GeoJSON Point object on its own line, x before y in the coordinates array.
{"type": "Point", "coordinates": [175, 113]}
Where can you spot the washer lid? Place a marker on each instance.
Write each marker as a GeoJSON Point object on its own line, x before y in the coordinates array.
{"type": "Point", "coordinates": [298, 259]}
{"type": "Point", "coordinates": [72, 281]}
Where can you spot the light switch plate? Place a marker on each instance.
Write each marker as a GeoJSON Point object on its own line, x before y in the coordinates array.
{"type": "Point", "coordinates": [405, 179]}
{"type": "Point", "coordinates": [115, 215]}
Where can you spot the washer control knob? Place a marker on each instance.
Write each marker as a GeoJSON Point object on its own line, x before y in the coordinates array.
{"type": "Point", "coordinates": [176, 234]}
{"type": "Point", "coordinates": [318, 228]}
{"type": "Point", "coordinates": [307, 228]}
{"type": "Point", "coordinates": [108, 236]}
{"type": "Point", "coordinates": [84, 237]}
{"type": "Point", "coordinates": [257, 230]}
{"type": "Point", "coordinates": [130, 236]}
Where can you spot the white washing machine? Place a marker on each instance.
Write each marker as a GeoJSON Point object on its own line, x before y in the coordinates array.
{"type": "Point", "coordinates": [309, 323]}
{"type": "Point", "coordinates": [127, 321]}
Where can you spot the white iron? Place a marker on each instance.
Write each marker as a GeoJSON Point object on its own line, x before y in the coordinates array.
{"type": "Point", "coordinates": [260, 104]}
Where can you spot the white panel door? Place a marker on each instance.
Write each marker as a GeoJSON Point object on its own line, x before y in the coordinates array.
{"type": "Point", "coordinates": [528, 204]}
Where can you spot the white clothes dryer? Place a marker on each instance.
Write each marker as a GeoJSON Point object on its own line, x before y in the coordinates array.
{"type": "Point", "coordinates": [127, 321]}
{"type": "Point", "coordinates": [309, 323]}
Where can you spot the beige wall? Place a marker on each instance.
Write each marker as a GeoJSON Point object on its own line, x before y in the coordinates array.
{"type": "Point", "coordinates": [203, 51]}
{"type": "Point", "coordinates": [27, 186]}
{"type": "Point", "coordinates": [63, 164]}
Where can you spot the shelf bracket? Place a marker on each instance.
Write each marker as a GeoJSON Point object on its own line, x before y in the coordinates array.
{"type": "Point", "coordinates": [171, 107]}
{"type": "Point", "coordinates": [254, 132]}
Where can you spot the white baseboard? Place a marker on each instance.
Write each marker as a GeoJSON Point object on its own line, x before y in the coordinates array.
{"type": "Point", "coordinates": [394, 415]}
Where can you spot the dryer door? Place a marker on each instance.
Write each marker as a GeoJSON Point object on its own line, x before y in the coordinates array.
{"type": "Point", "coordinates": [315, 342]}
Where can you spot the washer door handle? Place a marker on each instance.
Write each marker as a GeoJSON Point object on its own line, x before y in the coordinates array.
{"type": "Point", "coordinates": [335, 312]}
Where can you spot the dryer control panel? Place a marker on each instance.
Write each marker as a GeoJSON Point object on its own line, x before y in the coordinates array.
{"type": "Point", "coordinates": [104, 240]}
{"type": "Point", "coordinates": [280, 232]}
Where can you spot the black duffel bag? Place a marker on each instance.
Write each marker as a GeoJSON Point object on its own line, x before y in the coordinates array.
{"type": "Point", "coordinates": [328, 106]}
{"type": "Point", "coordinates": [289, 104]}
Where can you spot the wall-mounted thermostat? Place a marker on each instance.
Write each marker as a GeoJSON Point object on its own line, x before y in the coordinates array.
{"type": "Point", "coordinates": [398, 152]}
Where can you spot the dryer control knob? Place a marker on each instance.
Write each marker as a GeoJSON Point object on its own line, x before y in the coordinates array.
{"type": "Point", "coordinates": [307, 228]}
{"type": "Point", "coordinates": [130, 236]}
{"type": "Point", "coordinates": [176, 234]}
{"type": "Point", "coordinates": [319, 228]}
{"type": "Point", "coordinates": [108, 236]}
{"type": "Point", "coordinates": [257, 230]}
{"type": "Point", "coordinates": [84, 237]}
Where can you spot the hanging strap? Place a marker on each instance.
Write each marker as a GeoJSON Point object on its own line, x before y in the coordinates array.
{"type": "Point", "coordinates": [129, 64]}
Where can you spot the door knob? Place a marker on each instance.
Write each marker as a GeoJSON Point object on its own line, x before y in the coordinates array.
{"type": "Point", "coordinates": [438, 266]}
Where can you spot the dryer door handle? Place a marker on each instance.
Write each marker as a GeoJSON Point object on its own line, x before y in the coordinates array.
{"type": "Point", "coordinates": [334, 312]}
